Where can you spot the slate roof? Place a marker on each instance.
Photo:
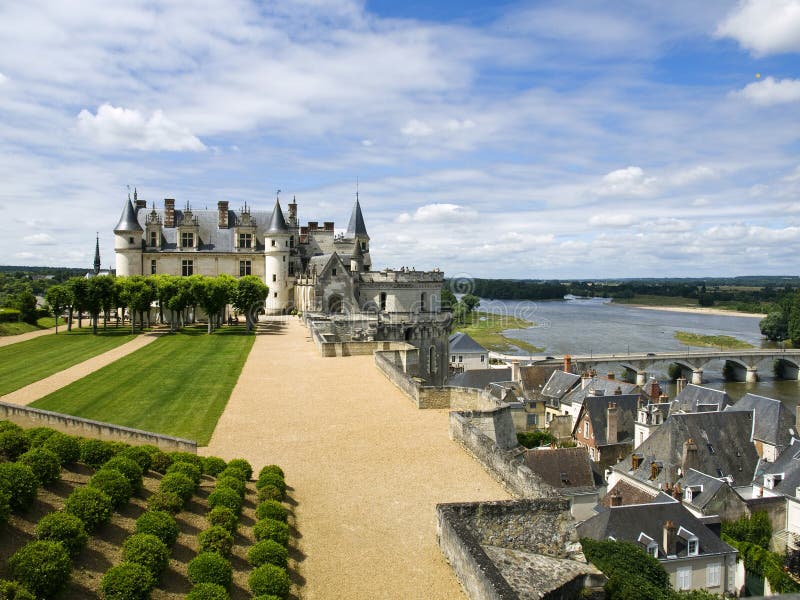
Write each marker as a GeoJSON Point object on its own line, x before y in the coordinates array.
{"type": "Point", "coordinates": [788, 465]}
{"type": "Point", "coordinates": [697, 398]}
{"type": "Point", "coordinates": [596, 406]}
{"type": "Point", "coordinates": [277, 224]}
{"type": "Point", "coordinates": [479, 378]}
{"type": "Point", "coordinates": [560, 383]}
{"type": "Point", "coordinates": [629, 522]}
{"type": "Point", "coordinates": [461, 342]}
{"type": "Point", "coordinates": [723, 448]}
{"type": "Point", "coordinates": [562, 468]}
{"type": "Point", "coordinates": [577, 395]}
{"type": "Point", "coordinates": [356, 225]}
{"type": "Point", "coordinates": [710, 487]}
{"type": "Point", "coordinates": [128, 220]}
{"type": "Point", "coordinates": [773, 421]}
{"type": "Point", "coordinates": [631, 494]}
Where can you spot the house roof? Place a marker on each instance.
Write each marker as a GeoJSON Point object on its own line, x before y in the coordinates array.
{"type": "Point", "coordinates": [773, 423]}
{"type": "Point", "coordinates": [722, 447]}
{"type": "Point", "coordinates": [562, 468]}
{"type": "Point", "coordinates": [356, 226]}
{"type": "Point", "coordinates": [128, 220]}
{"type": "Point", "coordinates": [479, 378]}
{"type": "Point", "coordinates": [709, 486]}
{"type": "Point", "coordinates": [578, 394]}
{"type": "Point", "coordinates": [277, 224]}
{"type": "Point", "coordinates": [628, 523]}
{"type": "Point", "coordinates": [560, 383]}
{"type": "Point", "coordinates": [698, 398]}
{"type": "Point", "coordinates": [788, 465]}
{"type": "Point", "coordinates": [632, 494]}
{"type": "Point", "coordinates": [597, 409]}
{"type": "Point", "coordinates": [461, 342]}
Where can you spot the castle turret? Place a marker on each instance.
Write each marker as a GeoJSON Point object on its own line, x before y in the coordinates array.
{"type": "Point", "coordinates": [128, 242]}
{"type": "Point", "coordinates": [276, 250]}
{"type": "Point", "coordinates": [358, 230]}
{"type": "Point", "coordinates": [357, 259]}
{"type": "Point", "coordinates": [97, 256]}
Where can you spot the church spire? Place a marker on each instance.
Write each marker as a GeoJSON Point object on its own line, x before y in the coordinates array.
{"type": "Point", "coordinates": [356, 227]}
{"type": "Point", "coordinates": [97, 255]}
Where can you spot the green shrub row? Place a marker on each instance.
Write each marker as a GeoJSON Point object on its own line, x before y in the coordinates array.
{"type": "Point", "coordinates": [269, 555]}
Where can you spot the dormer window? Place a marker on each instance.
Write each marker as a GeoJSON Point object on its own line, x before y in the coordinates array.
{"type": "Point", "coordinates": [652, 550]}
{"type": "Point", "coordinates": [245, 240]}
{"type": "Point", "coordinates": [771, 480]}
{"type": "Point", "coordinates": [692, 547]}
{"type": "Point", "coordinates": [153, 239]}
{"type": "Point", "coordinates": [187, 239]}
{"type": "Point", "coordinates": [692, 491]}
{"type": "Point", "coordinates": [692, 542]}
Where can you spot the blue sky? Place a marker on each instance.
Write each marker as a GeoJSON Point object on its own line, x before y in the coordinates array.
{"type": "Point", "coordinates": [513, 139]}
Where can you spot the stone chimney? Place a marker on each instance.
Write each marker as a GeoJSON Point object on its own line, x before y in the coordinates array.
{"type": "Point", "coordinates": [328, 225]}
{"type": "Point", "coordinates": [663, 399]}
{"type": "Point", "coordinates": [636, 460]}
{"type": "Point", "coordinates": [169, 212]}
{"type": "Point", "coordinates": [515, 374]}
{"type": "Point", "coordinates": [293, 212]}
{"type": "Point", "coordinates": [680, 384]}
{"type": "Point", "coordinates": [670, 539]}
{"type": "Point", "coordinates": [140, 204]}
{"type": "Point", "coordinates": [586, 379]}
{"type": "Point", "coordinates": [222, 210]}
{"type": "Point", "coordinates": [567, 363]}
{"type": "Point", "coordinates": [618, 391]}
{"type": "Point", "coordinates": [612, 422]}
{"type": "Point", "coordinates": [611, 375]}
{"type": "Point", "coordinates": [689, 455]}
{"type": "Point", "coordinates": [616, 499]}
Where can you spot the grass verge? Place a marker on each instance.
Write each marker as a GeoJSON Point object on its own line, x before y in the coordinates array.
{"type": "Point", "coordinates": [178, 385]}
{"type": "Point", "coordinates": [22, 327]}
{"type": "Point", "coordinates": [486, 329]}
{"type": "Point", "coordinates": [23, 363]}
{"type": "Point", "coordinates": [711, 341]}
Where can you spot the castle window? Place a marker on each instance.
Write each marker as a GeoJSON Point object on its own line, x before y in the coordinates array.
{"type": "Point", "coordinates": [363, 246]}
{"type": "Point", "coordinates": [586, 429]}
{"type": "Point", "coordinates": [152, 267]}
{"type": "Point", "coordinates": [284, 259]}
{"type": "Point", "coordinates": [460, 358]}
{"type": "Point", "coordinates": [187, 239]}
{"type": "Point", "coordinates": [130, 240]}
{"type": "Point", "coordinates": [422, 302]}
{"type": "Point", "coordinates": [153, 238]}
{"type": "Point", "coordinates": [483, 358]}
{"type": "Point", "coordinates": [187, 267]}
{"type": "Point", "coordinates": [334, 272]}
{"type": "Point", "coordinates": [273, 243]}
{"type": "Point", "coordinates": [245, 240]}
{"type": "Point", "coordinates": [275, 295]}
{"type": "Point", "coordinates": [245, 268]}
{"type": "Point", "coordinates": [274, 277]}
{"type": "Point", "coordinates": [453, 358]}
{"type": "Point", "coordinates": [383, 300]}
{"type": "Point", "coordinates": [291, 242]}
{"type": "Point", "coordinates": [431, 360]}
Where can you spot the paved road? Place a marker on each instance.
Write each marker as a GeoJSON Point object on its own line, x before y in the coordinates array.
{"type": "Point", "coordinates": [367, 468]}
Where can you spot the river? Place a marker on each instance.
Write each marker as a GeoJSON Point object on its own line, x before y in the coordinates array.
{"type": "Point", "coordinates": [586, 326]}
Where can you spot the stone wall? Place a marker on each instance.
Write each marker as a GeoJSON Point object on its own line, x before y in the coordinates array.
{"type": "Point", "coordinates": [27, 417]}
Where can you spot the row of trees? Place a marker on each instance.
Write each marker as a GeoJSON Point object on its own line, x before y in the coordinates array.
{"type": "Point", "coordinates": [783, 323]}
{"type": "Point", "coordinates": [461, 309]}
{"type": "Point", "coordinates": [172, 294]}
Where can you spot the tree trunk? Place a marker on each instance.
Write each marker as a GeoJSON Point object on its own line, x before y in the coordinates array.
{"type": "Point", "coordinates": [80, 319]}
{"type": "Point", "coordinates": [94, 323]}
{"type": "Point", "coordinates": [69, 320]}
{"type": "Point", "coordinates": [133, 321]}
{"type": "Point", "coordinates": [56, 316]}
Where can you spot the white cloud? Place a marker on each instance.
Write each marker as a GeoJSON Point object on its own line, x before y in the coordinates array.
{"type": "Point", "coordinates": [415, 128]}
{"type": "Point", "coordinates": [439, 213]}
{"type": "Point", "coordinates": [692, 175]}
{"type": "Point", "coordinates": [367, 143]}
{"type": "Point", "coordinates": [3, 79]}
{"type": "Point", "coordinates": [25, 255]}
{"type": "Point", "coordinates": [771, 91]}
{"type": "Point", "coordinates": [629, 181]}
{"type": "Point", "coordinates": [764, 26]}
{"type": "Point", "coordinates": [612, 220]}
{"type": "Point", "coordinates": [128, 128]}
{"type": "Point", "coordinates": [39, 239]}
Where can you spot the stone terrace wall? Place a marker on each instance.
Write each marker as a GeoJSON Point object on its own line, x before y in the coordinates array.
{"type": "Point", "coordinates": [33, 417]}
{"type": "Point", "coordinates": [505, 465]}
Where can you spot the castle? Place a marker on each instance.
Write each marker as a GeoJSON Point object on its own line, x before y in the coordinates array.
{"type": "Point", "coordinates": [309, 269]}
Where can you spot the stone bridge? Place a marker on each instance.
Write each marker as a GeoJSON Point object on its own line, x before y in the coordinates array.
{"type": "Point", "coordinates": [742, 361]}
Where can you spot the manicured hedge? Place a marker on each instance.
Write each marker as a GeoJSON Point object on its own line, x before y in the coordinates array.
{"type": "Point", "coordinates": [44, 463]}
{"type": "Point", "coordinates": [127, 581]}
{"type": "Point", "coordinates": [271, 478]}
{"type": "Point", "coordinates": [95, 453]}
{"type": "Point", "coordinates": [90, 505]}
{"type": "Point", "coordinates": [129, 468]}
{"type": "Point", "coordinates": [215, 539]}
{"type": "Point", "coordinates": [225, 497]}
{"type": "Point", "coordinates": [147, 550]}
{"type": "Point", "coordinates": [268, 551]}
{"type": "Point", "coordinates": [65, 446]}
{"type": "Point", "coordinates": [193, 459]}
{"type": "Point", "coordinates": [210, 567]}
{"type": "Point", "coordinates": [160, 461]}
{"type": "Point", "coordinates": [168, 502]}
{"type": "Point", "coordinates": [14, 590]}
{"type": "Point", "coordinates": [208, 591]}
{"type": "Point", "coordinates": [270, 529]}
{"type": "Point", "coordinates": [114, 484]}
{"type": "Point", "coordinates": [188, 469]}
{"type": "Point", "coordinates": [179, 484]}
{"type": "Point", "coordinates": [13, 442]}
{"type": "Point", "coordinates": [213, 465]}
{"type": "Point", "coordinates": [224, 517]}
{"type": "Point", "coordinates": [234, 483]}
{"type": "Point", "coordinates": [39, 435]}
{"type": "Point", "coordinates": [271, 509]}
{"type": "Point", "coordinates": [62, 527]}
{"type": "Point", "coordinates": [270, 492]}
{"type": "Point", "coordinates": [269, 579]}
{"type": "Point", "coordinates": [140, 455]}
{"type": "Point", "coordinates": [43, 567]}
{"type": "Point", "coordinates": [160, 524]}
{"type": "Point", "coordinates": [271, 469]}
{"type": "Point", "coordinates": [21, 484]}
{"type": "Point", "coordinates": [242, 465]}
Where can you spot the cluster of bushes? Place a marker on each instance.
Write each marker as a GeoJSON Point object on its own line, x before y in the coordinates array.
{"type": "Point", "coordinates": [269, 555]}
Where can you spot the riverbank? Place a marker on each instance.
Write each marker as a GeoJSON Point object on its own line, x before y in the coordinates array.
{"type": "Point", "coordinates": [726, 342]}
{"type": "Point", "coordinates": [486, 329]}
{"type": "Point", "coordinates": [702, 310]}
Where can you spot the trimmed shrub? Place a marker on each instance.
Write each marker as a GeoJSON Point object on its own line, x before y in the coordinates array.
{"type": "Point", "coordinates": [269, 579]}
{"type": "Point", "coordinates": [265, 597]}
{"type": "Point", "coordinates": [45, 464]}
{"type": "Point", "coordinates": [268, 552]}
{"type": "Point", "coordinates": [270, 509]}
{"type": "Point", "coordinates": [208, 591]}
{"type": "Point", "coordinates": [197, 461]}
{"type": "Point", "coordinates": [160, 524]}
{"type": "Point", "coordinates": [234, 483]}
{"type": "Point", "coordinates": [147, 550]}
{"type": "Point", "coordinates": [215, 539]}
{"type": "Point", "coordinates": [95, 453]}
{"type": "Point", "coordinates": [168, 502]}
{"type": "Point", "coordinates": [188, 469]}
{"type": "Point", "coordinates": [127, 581]}
{"type": "Point", "coordinates": [20, 482]}
{"type": "Point", "coordinates": [90, 505]}
{"type": "Point", "coordinates": [14, 590]}
{"type": "Point", "coordinates": [225, 497]}
{"type": "Point", "coordinates": [271, 469]}
{"type": "Point", "coordinates": [38, 435]}
{"type": "Point", "coordinates": [9, 426]}
{"type": "Point", "coordinates": [242, 465]}
{"type": "Point", "coordinates": [270, 492]}
{"type": "Point", "coordinates": [179, 484]}
{"type": "Point", "coordinates": [213, 465]}
{"type": "Point", "coordinates": [270, 529]}
{"type": "Point", "coordinates": [210, 567]}
{"type": "Point", "coordinates": [160, 461]}
{"type": "Point", "coordinates": [270, 478]}
{"type": "Point", "coordinates": [129, 468]}
{"type": "Point", "coordinates": [5, 506]}
{"type": "Point", "coordinates": [65, 446]}
{"type": "Point", "coordinates": [141, 456]}
{"type": "Point", "coordinates": [224, 517]}
{"type": "Point", "coordinates": [63, 527]}
{"type": "Point", "coordinates": [43, 567]}
{"type": "Point", "coordinates": [113, 483]}
{"type": "Point", "coordinates": [13, 443]}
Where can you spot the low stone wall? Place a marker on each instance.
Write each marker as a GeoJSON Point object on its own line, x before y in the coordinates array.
{"type": "Point", "coordinates": [506, 465]}
{"type": "Point", "coordinates": [27, 417]}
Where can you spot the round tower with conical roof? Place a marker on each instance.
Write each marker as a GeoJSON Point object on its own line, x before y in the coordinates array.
{"type": "Point", "coordinates": [128, 242]}
{"type": "Point", "coordinates": [276, 259]}
{"type": "Point", "coordinates": [357, 230]}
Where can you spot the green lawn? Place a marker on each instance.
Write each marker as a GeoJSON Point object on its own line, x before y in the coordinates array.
{"type": "Point", "coordinates": [22, 327]}
{"type": "Point", "coordinates": [23, 363]}
{"type": "Point", "coordinates": [486, 329]}
{"type": "Point", "coordinates": [711, 341]}
{"type": "Point", "coordinates": [178, 385]}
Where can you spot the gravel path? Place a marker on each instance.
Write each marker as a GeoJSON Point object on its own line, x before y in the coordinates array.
{"type": "Point", "coordinates": [21, 337]}
{"type": "Point", "coordinates": [366, 468]}
{"type": "Point", "coordinates": [48, 385]}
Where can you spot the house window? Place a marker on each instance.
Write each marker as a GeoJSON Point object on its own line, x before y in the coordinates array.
{"type": "Point", "coordinates": [274, 277]}
{"type": "Point", "coordinates": [547, 418]}
{"type": "Point", "coordinates": [284, 259]}
{"type": "Point", "coordinates": [422, 302]}
{"type": "Point", "coordinates": [153, 238]}
{"type": "Point", "coordinates": [460, 358]}
{"type": "Point", "coordinates": [652, 550]}
{"type": "Point", "coordinates": [713, 574]}
{"type": "Point", "coordinates": [453, 358]}
{"type": "Point", "coordinates": [363, 246]}
{"type": "Point", "coordinates": [187, 267]}
{"type": "Point", "coordinates": [383, 303]}
{"type": "Point", "coordinates": [334, 272]}
{"type": "Point", "coordinates": [152, 267]}
{"type": "Point", "coordinates": [483, 358]}
{"type": "Point", "coordinates": [586, 429]}
{"type": "Point", "coordinates": [535, 420]}
{"type": "Point", "coordinates": [187, 240]}
{"type": "Point", "coordinates": [130, 240]}
{"type": "Point", "coordinates": [275, 295]}
{"type": "Point", "coordinates": [245, 240]}
{"type": "Point", "coordinates": [591, 453]}
{"type": "Point", "coordinates": [692, 547]}
{"type": "Point", "coordinates": [273, 243]}
{"type": "Point", "coordinates": [684, 578]}
{"type": "Point", "coordinates": [245, 268]}
{"type": "Point", "coordinates": [291, 242]}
